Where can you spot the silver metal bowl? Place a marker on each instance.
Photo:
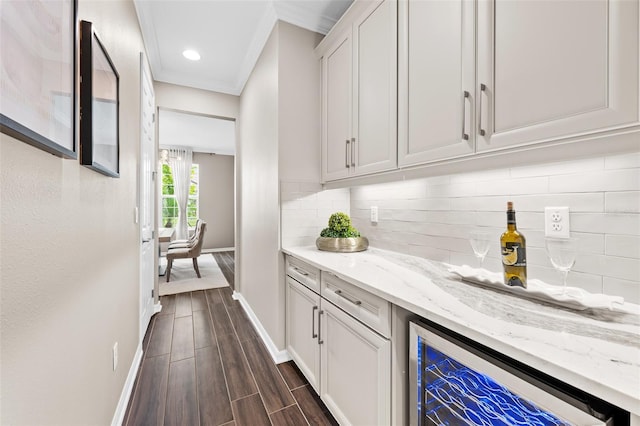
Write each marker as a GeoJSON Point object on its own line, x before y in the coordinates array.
{"type": "Point", "coordinates": [342, 245]}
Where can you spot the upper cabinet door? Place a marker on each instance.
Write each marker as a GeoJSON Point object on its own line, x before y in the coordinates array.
{"type": "Point", "coordinates": [337, 88]}
{"type": "Point", "coordinates": [375, 61]}
{"type": "Point", "coordinates": [555, 69]}
{"type": "Point", "coordinates": [437, 70]}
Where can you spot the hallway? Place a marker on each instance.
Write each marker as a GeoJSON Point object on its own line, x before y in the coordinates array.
{"type": "Point", "coordinates": [204, 364]}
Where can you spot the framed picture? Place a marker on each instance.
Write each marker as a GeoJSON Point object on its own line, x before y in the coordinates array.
{"type": "Point", "coordinates": [38, 73]}
{"type": "Point", "coordinates": [99, 104]}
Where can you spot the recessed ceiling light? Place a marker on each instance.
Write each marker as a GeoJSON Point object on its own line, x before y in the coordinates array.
{"type": "Point", "coordinates": [191, 54]}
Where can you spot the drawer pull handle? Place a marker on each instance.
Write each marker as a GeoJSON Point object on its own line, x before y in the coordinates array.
{"type": "Point", "coordinates": [301, 272]}
{"type": "Point", "coordinates": [483, 91]}
{"type": "Point", "coordinates": [465, 96]}
{"type": "Point", "coordinates": [313, 322]}
{"type": "Point", "coordinates": [355, 302]}
{"type": "Point", "coordinates": [320, 341]}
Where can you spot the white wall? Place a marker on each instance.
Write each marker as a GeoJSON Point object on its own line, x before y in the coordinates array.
{"type": "Point", "coordinates": [298, 104]}
{"type": "Point", "coordinates": [279, 138]}
{"type": "Point", "coordinates": [69, 260]}
{"type": "Point", "coordinates": [258, 190]}
{"type": "Point", "coordinates": [432, 217]}
{"type": "Point", "coordinates": [217, 198]}
{"type": "Point", "coordinates": [188, 99]}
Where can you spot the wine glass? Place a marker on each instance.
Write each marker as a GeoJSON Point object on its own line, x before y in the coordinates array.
{"type": "Point", "coordinates": [562, 253]}
{"type": "Point", "coordinates": [480, 241]}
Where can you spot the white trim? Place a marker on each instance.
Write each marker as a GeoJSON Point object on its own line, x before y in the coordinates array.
{"type": "Point", "coordinates": [121, 409]}
{"type": "Point", "coordinates": [216, 250]}
{"type": "Point", "coordinates": [157, 308]}
{"type": "Point", "coordinates": [277, 355]}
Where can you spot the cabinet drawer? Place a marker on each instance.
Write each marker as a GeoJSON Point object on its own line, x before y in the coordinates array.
{"type": "Point", "coordinates": [303, 273]}
{"type": "Point", "coordinates": [362, 305]}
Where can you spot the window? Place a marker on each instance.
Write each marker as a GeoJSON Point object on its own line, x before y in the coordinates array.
{"type": "Point", "coordinates": [170, 205]}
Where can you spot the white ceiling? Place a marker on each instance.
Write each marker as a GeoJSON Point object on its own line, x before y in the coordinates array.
{"type": "Point", "coordinates": [199, 132]}
{"type": "Point", "coordinates": [228, 34]}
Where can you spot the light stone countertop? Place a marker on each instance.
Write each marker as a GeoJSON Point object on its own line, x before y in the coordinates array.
{"type": "Point", "coordinates": [596, 351]}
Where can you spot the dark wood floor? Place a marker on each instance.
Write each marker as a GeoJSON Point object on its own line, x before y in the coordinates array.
{"type": "Point", "coordinates": [204, 364]}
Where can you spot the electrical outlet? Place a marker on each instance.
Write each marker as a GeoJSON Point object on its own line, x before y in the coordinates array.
{"type": "Point", "coordinates": [556, 222]}
{"type": "Point", "coordinates": [374, 214]}
{"type": "Point", "coordinates": [115, 356]}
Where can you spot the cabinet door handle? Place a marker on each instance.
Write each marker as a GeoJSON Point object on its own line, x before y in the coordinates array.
{"type": "Point", "coordinates": [313, 322]}
{"type": "Point", "coordinates": [301, 272]}
{"type": "Point", "coordinates": [346, 154]}
{"type": "Point", "coordinates": [353, 152]}
{"type": "Point", "coordinates": [320, 341]}
{"type": "Point", "coordinates": [465, 96]}
{"type": "Point", "coordinates": [354, 301]}
{"type": "Point", "coordinates": [483, 89]}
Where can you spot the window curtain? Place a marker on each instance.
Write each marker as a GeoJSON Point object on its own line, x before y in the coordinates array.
{"type": "Point", "coordinates": [180, 160]}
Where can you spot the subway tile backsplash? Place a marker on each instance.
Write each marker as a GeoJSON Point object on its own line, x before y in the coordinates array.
{"type": "Point", "coordinates": [432, 217]}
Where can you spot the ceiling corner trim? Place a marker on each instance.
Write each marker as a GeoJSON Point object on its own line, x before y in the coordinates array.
{"type": "Point", "coordinates": [149, 36]}
{"type": "Point", "coordinates": [258, 42]}
{"type": "Point", "coordinates": [304, 18]}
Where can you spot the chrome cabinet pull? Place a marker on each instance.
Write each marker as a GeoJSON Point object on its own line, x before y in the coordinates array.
{"type": "Point", "coordinates": [320, 341]}
{"type": "Point", "coordinates": [465, 136]}
{"type": "Point", "coordinates": [346, 154]}
{"type": "Point", "coordinates": [301, 272]}
{"type": "Point", "coordinates": [483, 89]}
{"type": "Point", "coordinates": [313, 322]}
{"type": "Point", "coordinates": [353, 152]}
{"type": "Point", "coordinates": [355, 302]}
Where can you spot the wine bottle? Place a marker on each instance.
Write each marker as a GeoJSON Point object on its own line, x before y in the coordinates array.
{"type": "Point", "coordinates": [514, 252]}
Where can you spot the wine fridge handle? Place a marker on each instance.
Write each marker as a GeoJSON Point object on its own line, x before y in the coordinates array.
{"type": "Point", "coordinates": [465, 96]}
{"type": "Point", "coordinates": [483, 89]}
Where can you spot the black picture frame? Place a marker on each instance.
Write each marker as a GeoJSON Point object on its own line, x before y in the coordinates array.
{"type": "Point", "coordinates": [38, 93]}
{"type": "Point", "coordinates": [99, 105]}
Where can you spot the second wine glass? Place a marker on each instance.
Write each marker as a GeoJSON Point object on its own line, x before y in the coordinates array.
{"type": "Point", "coordinates": [480, 241]}
{"type": "Point", "coordinates": [562, 253]}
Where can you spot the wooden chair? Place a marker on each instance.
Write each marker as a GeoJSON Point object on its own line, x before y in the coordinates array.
{"type": "Point", "coordinates": [187, 252]}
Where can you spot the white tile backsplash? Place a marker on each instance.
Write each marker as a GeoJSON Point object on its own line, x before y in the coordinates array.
{"type": "Point", "coordinates": [432, 217]}
{"type": "Point", "coordinates": [602, 193]}
{"type": "Point", "coordinates": [305, 210]}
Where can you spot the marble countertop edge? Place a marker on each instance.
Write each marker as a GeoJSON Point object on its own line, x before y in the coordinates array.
{"type": "Point", "coordinates": [408, 286]}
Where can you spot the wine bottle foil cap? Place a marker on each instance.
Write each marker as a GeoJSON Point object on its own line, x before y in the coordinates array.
{"type": "Point", "coordinates": [509, 205]}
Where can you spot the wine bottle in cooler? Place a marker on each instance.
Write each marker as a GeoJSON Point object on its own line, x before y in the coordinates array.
{"type": "Point", "coordinates": [514, 252]}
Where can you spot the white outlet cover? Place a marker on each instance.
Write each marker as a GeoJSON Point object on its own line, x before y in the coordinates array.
{"type": "Point", "coordinates": [556, 222]}
{"type": "Point", "coordinates": [374, 214]}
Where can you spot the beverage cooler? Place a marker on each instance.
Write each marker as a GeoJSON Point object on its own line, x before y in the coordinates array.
{"type": "Point", "coordinates": [455, 381]}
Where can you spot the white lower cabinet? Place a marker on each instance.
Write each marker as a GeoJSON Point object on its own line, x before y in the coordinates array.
{"type": "Point", "coordinates": [355, 370]}
{"type": "Point", "coordinates": [346, 362]}
{"type": "Point", "coordinates": [302, 330]}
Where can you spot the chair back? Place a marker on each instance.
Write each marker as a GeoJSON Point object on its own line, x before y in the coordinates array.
{"type": "Point", "coordinates": [194, 251]}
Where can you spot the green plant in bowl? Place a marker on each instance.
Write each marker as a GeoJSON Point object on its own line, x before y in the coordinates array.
{"type": "Point", "coordinates": [341, 236]}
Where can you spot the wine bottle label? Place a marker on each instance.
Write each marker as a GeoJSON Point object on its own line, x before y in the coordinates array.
{"type": "Point", "coordinates": [513, 254]}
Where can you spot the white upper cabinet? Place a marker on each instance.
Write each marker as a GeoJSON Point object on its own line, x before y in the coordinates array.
{"type": "Point", "coordinates": [359, 63]}
{"type": "Point", "coordinates": [436, 80]}
{"type": "Point", "coordinates": [550, 70]}
{"type": "Point", "coordinates": [336, 140]}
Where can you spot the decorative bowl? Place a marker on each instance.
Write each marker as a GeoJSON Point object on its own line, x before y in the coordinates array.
{"type": "Point", "coordinates": [342, 245]}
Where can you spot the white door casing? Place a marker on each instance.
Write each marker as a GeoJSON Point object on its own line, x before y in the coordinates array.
{"type": "Point", "coordinates": [147, 196]}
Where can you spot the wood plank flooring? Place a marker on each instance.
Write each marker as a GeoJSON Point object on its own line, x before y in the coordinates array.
{"type": "Point", "coordinates": [204, 364]}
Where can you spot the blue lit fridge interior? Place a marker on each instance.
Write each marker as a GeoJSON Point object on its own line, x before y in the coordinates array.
{"type": "Point", "coordinates": [450, 393]}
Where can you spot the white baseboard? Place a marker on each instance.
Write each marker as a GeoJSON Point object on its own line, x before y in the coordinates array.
{"type": "Point", "coordinates": [278, 356]}
{"type": "Point", "coordinates": [121, 409]}
{"type": "Point", "coordinates": [216, 250]}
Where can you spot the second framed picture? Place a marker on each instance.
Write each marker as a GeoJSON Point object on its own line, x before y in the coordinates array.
{"type": "Point", "coordinates": [99, 105]}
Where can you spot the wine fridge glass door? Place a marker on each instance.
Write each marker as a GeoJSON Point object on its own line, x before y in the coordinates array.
{"type": "Point", "coordinates": [451, 385]}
